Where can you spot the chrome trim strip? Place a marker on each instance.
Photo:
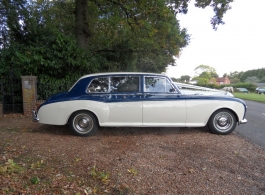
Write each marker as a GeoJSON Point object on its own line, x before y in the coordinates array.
{"type": "Point", "coordinates": [35, 117]}
{"type": "Point", "coordinates": [244, 121]}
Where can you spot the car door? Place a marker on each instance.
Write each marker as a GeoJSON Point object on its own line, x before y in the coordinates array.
{"type": "Point", "coordinates": [124, 101]}
{"type": "Point", "coordinates": [163, 105]}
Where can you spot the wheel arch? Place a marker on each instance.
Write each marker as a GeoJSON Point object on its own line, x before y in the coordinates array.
{"type": "Point", "coordinates": [84, 110]}
{"type": "Point", "coordinates": [231, 110]}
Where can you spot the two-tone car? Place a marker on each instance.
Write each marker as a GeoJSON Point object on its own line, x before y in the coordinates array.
{"type": "Point", "coordinates": [138, 100]}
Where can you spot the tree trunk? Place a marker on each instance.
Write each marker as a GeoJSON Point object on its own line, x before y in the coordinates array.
{"type": "Point", "coordinates": [81, 23]}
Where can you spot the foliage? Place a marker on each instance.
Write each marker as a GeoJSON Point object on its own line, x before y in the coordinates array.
{"type": "Point", "coordinates": [252, 79]}
{"type": "Point", "coordinates": [242, 76]}
{"type": "Point", "coordinates": [59, 58]}
{"type": "Point", "coordinates": [40, 37]}
{"type": "Point", "coordinates": [234, 80]}
{"type": "Point", "coordinates": [214, 86]}
{"type": "Point", "coordinates": [175, 79]}
{"type": "Point", "coordinates": [10, 167]}
{"type": "Point", "coordinates": [203, 81]}
{"type": "Point", "coordinates": [101, 175]}
{"type": "Point", "coordinates": [132, 171]}
{"type": "Point", "coordinates": [206, 71]}
{"type": "Point", "coordinates": [205, 75]}
{"type": "Point", "coordinates": [185, 78]}
{"type": "Point", "coordinates": [250, 86]}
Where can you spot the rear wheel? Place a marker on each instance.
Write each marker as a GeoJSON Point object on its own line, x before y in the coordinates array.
{"type": "Point", "coordinates": [83, 123]}
{"type": "Point", "coordinates": [222, 122]}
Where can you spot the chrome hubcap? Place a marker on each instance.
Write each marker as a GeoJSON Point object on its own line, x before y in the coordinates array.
{"type": "Point", "coordinates": [223, 121]}
{"type": "Point", "coordinates": [83, 123]}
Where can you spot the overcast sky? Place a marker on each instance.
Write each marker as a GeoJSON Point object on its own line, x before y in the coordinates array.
{"type": "Point", "coordinates": [238, 45]}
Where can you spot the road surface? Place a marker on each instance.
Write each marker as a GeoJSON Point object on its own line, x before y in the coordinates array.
{"type": "Point", "coordinates": [254, 130]}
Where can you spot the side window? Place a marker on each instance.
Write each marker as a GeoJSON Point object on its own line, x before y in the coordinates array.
{"type": "Point", "coordinates": [157, 84]}
{"type": "Point", "coordinates": [169, 87]}
{"type": "Point", "coordinates": [98, 85]}
{"type": "Point", "coordinates": [124, 84]}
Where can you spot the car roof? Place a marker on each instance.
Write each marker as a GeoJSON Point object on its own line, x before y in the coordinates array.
{"type": "Point", "coordinates": [120, 73]}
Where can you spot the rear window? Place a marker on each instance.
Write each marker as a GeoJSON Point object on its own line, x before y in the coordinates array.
{"type": "Point", "coordinates": [115, 84]}
{"type": "Point", "coordinates": [124, 84]}
{"type": "Point", "coordinates": [99, 85]}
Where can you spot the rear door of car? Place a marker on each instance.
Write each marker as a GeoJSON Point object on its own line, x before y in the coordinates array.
{"type": "Point", "coordinates": [163, 105]}
{"type": "Point", "coordinates": [124, 101]}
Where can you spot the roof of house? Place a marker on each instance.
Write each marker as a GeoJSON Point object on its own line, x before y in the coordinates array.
{"type": "Point", "coordinates": [221, 79]}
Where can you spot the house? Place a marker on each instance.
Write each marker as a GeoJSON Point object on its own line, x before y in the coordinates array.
{"type": "Point", "coordinates": [222, 81]}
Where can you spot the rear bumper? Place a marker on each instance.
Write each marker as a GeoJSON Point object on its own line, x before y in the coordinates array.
{"type": "Point", "coordinates": [35, 117]}
{"type": "Point", "coordinates": [244, 121]}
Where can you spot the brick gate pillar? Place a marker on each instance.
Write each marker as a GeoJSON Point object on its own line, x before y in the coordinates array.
{"type": "Point", "coordinates": [29, 91]}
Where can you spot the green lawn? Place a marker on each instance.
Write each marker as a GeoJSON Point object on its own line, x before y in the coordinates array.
{"type": "Point", "coordinates": [251, 96]}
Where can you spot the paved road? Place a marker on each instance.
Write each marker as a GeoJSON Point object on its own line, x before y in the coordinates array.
{"type": "Point", "coordinates": [254, 130]}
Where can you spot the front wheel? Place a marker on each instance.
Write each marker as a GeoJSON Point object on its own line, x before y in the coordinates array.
{"type": "Point", "coordinates": [83, 123]}
{"type": "Point", "coordinates": [222, 122]}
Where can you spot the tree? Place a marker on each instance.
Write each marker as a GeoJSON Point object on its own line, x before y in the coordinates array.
{"type": "Point", "coordinates": [205, 71]}
{"type": "Point", "coordinates": [111, 35]}
{"type": "Point", "coordinates": [203, 81]}
{"type": "Point", "coordinates": [133, 12]}
{"type": "Point", "coordinates": [82, 23]}
{"type": "Point", "coordinates": [234, 80]}
{"type": "Point", "coordinates": [206, 75]}
{"type": "Point", "coordinates": [252, 79]}
{"type": "Point", "coordinates": [12, 15]}
{"type": "Point", "coordinates": [185, 78]}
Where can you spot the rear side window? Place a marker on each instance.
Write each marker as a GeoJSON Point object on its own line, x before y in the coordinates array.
{"type": "Point", "coordinates": [124, 84]}
{"type": "Point", "coordinates": [99, 85]}
{"type": "Point", "coordinates": [115, 84]}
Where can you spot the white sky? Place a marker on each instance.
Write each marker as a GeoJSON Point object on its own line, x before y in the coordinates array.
{"type": "Point", "coordinates": [238, 45]}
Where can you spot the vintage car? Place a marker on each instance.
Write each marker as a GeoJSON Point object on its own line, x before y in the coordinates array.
{"type": "Point", "coordinates": [138, 100]}
{"type": "Point", "coordinates": [243, 90]}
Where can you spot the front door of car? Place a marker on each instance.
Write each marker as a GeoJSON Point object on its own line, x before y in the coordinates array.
{"type": "Point", "coordinates": [124, 101]}
{"type": "Point", "coordinates": [162, 104]}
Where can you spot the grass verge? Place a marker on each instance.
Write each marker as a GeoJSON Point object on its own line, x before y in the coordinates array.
{"type": "Point", "coordinates": [251, 96]}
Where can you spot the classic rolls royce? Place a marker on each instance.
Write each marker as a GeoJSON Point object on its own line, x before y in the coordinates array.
{"type": "Point", "coordinates": [138, 100]}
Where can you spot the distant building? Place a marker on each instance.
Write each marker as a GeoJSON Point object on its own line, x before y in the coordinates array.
{"type": "Point", "coordinates": [222, 81]}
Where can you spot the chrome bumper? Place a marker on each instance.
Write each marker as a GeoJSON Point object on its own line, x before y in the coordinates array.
{"type": "Point", "coordinates": [244, 121]}
{"type": "Point", "coordinates": [35, 117]}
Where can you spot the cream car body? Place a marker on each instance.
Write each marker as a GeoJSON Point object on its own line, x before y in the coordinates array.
{"type": "Point", "coordinates": [140, 100]}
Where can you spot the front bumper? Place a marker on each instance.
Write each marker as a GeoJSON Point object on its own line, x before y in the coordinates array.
{"type": "Point", "coordinates": [35, 117]}
{"type": "Point", "coordinates": [244, 121]}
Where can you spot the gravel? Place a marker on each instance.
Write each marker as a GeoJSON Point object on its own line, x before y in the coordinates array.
{"type": "Point", "coordinates": [129, 160]}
